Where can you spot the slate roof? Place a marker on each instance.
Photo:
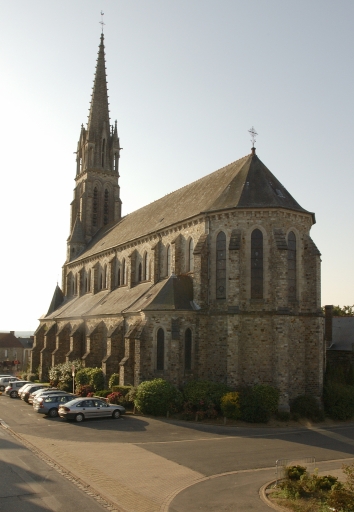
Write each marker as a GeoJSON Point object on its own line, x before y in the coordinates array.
{"type": "Point", "coordinates": [246, 183]}
{"type": "Point", "coordinates": [57, 300]}
{"type": "Point", "coordinates": [342, 333]}
{"type": "Point", "coordinates": [9, 340]}
{"type": "Point", "coordinates": [173, 293]}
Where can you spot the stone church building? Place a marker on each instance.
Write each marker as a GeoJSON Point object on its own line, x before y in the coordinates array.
{"type": "Point", "coordinates": [219, 280]}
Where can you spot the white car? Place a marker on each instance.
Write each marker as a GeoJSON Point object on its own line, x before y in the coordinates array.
{"type": "Point", "coordinates": [13, 388]}
{"type": "Point", "coordinates": [4, 381]}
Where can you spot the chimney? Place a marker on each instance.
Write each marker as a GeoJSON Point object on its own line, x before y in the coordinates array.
{"type": "Point", "coordinates": [328, 325]}
{"type": "Point", "coordinates": [12, 332]}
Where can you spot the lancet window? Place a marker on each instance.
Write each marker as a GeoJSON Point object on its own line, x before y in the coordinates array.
{"type": "Point", "coordinates": [221, 266]}
{"type": "Point", "coordinates": [292, 266]}
{"type": "Point", "coordinates": [160, 350]}
{"type": "Point", "coordinates": [106, 207]}
{"type": "Point", "coordinates": [257, 264]}
{"type": "Point", "coordinates": [95, 207]}
{"type": "Point", "coordinates": [188, 350]}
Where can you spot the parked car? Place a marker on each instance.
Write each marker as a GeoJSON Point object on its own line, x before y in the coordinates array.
{"type": "Point", "coordinates": [49, 404]}
{"type": "Point", "coordinates": [26, 393]}
{"type": "Point", "coordinates": [38, 395]}
{"type": "Point", "coordinates": [82, 408]}
{"type": "Point", "coordinates": [24, 388]}
{"type": "Point", "coordinates": [4, 381]}
{"type": "Point", "coordinates": [13, 388]}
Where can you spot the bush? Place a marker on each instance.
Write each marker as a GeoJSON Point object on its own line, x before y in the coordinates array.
{"type": "Point", "coordinates": [157, 397]}
{"type": "Point", "coordinates": [295, 472]}
{"type": "Point", "coordinates": [282, 415]}
{"type": "Point", "coordinates": [306, 406]}
{"type": "Point", "coordinates": [124, 390]}
{"type": "Point", "coordinates": [103, 393]}
{"type": "Point", "coordinates": [339, 401]}
{"type": "Point", "coordinates": [113, 380]}
{"type": "Point", "coordinates": [92, 376]}
{"type": "Point", "coordinates": [84, 390]}
{"type": "Point", "coordinates": [32, 377]}
{"type": "Point", "coordinates": [115, 398]}
{"type": "Point", "coordinates": [204, 395]}
{"type": "Point", "coordinates": [97, 379]}
{"type": "Point", "coordinates": [258, 403]}
{"type": "Point", "coordinates": [82, 377]}
{"type": "Point", "coordinates": [230, 405]}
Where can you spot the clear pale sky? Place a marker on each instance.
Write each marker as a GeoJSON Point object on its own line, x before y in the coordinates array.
{"type": "Point", "coordinates": [186, 79]}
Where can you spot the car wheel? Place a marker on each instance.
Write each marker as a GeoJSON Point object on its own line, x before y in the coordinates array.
{"type": "Point", "coordinates": [116, 414]}
{"type": "Point", "coordinates": [13, 394]}
{"type": "Point", "coordinates": [2, 388]}
{"type": "Point", "coordinates": [79, 417]}
{"type": "Point", "coordinates": [53, 413]}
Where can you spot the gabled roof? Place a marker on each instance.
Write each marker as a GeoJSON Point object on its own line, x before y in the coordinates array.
{"type": "Point", "coordinates": [246, 183]}
{"type": "Point", "coordinates": [9, 340]}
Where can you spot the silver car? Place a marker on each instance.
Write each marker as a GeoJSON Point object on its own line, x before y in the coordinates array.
{"type": "Point", "coordinates": [49, 405]}
{"type": "Point", "coordinates": [83, 408]}
{"type": "Point", "coordinates": [13, 388]}
{"type": "Point", "coordinates": [5, 381]}
{"type": "Point", "coordinates": [41, 393]}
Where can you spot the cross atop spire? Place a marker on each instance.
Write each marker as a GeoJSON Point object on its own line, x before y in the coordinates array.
{"type": "Point", "coordinates": [102, 22]}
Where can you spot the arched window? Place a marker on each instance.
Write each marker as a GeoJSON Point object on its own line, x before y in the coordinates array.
{"type": "Point", "coordinates": [221, 266]}
{"type": "Point", "coordinates": [73, 285]}
{"type": "Point", "coordinates": [95, 207]}
{"type": "Point", "coordinates": [103, 151]}
{"type": "Point", "coordinates": [80, 164]}
{"type": "Point", "coordinates": [190, 256]}
{"type": "Point", "coordinates": [257, 264]}
{"type": "Point", "coordinates": [168, 258]}
{"type": "Point", "coordinates": [105, 207]}
{"type": "Point", "coordinates": [89, 281]}
{"type": "Point", "coordinates": [91, 156]}
{"type": "Point", "coordinates": [140, 273]}
{"type": "Point", "coordinates": [123, 271]}
{"type": "Point", "coordinates": [86, 285]}
{"type": "Point", "coordinates": [101, 280]}
{"type": "Point", "coordinates": [188, 350]}
{"type": "Point", "coordinates": [115, 162]}
{"type": "Point", "coordinates": [105, 277]}
{"type": "Point", "coordinates": [160, 350]}
{"type": "Point", "coordinates": [292, 266]}
{"type": "Point", "coordinates": [145, 267]}
{"type": "Point", "coordinates": [118, 278]}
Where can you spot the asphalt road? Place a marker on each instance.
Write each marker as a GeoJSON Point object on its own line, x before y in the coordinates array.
{"type": "Point", "coordinates": [248, 453]}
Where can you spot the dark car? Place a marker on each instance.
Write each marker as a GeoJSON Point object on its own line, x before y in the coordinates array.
{"type": "Point", "coordinates": [49, 404]}
{"type": "Point", "coordinates": [83, 408]}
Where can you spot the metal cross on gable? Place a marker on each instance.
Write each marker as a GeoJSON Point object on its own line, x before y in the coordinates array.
{"type": "Point", "coordinates": [253, 134]}
{"type": "Point", "coordinates": [102, 22]}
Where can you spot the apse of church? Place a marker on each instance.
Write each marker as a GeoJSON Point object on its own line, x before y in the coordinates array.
{"type": "Point", "coordinates": [219, 280]}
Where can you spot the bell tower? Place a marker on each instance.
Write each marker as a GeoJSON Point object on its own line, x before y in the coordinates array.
{"type": "Point", "coordinates": [96, 201]}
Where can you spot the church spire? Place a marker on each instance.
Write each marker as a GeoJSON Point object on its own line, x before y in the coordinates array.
{"type": "Point", "coordinates": [98, 120]}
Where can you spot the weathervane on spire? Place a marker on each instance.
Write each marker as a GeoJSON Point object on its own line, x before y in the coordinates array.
{"type": "Point", "coordinates": [253, 134]}
{"type": "Point", "coordinates": [102, 22]}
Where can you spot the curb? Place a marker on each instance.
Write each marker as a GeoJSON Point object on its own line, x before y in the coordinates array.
{"type": "Point", "coordinates": [266, 500]}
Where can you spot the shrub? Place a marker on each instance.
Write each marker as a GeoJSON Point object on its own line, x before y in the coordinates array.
{"type": "Point", "coordinates": [306, 406]}
{"type": "Point", "coordinates": [295, 472]}
{"type": "Point", "coordinates": [124, 390]}
{"type": "Point", "coordinates": [339, 401]}
{"type": "Point", "coordinates": [84, 390]}
{"type": "Point", "coordinates": [32, 377]}
{"type": "Point", "coordinates": [157, 397]}
{"type": "Point", "coordinates": [230, 405]}
{"type": "Point", "coordinates": [115, 398]}
{"type": "Point", "coordinates": [282, 415]}
{"type": "Point", "coordinates": [113, 380]}
{"type": "Point", "coordinates": [82, 377]}
{"type": "Point", "coordinates": [103, 393]}
{"type": "Point", "coordinates": [258, 403]}
{"type": "Point", "coordinates": [97, 379]}
{"type": "Point", "coordinates": [203, 394]}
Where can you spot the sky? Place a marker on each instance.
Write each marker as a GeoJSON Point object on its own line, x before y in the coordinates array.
{"type": "Point", "coordinates": [186, 80]}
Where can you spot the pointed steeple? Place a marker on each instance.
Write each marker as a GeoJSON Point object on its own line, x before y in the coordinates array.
{"type": "Point", "coordinates": [57, 300]}
{"type": "Point", "coordinates": [98, 120]}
